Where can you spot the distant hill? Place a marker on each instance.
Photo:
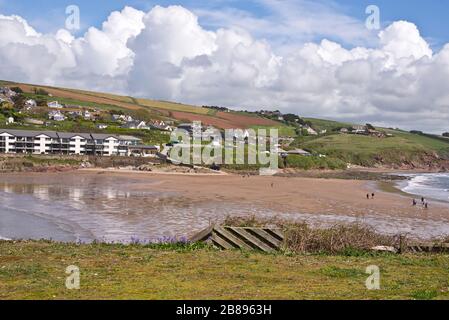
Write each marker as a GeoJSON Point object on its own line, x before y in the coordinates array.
{"type": "Point", "coordinates": [159, 109]}
{"type": "Point", "coordinates": [402, 150]}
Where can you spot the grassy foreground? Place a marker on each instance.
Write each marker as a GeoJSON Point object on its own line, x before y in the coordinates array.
{"type": "Point", "coordinates": [36, 270]}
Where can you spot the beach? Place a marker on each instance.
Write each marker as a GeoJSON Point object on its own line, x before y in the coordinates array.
{"type": "Point", "coordinates": [115, 206]}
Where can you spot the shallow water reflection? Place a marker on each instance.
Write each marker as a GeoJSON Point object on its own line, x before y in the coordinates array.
{"type": "Point", "coordinates": [102, 208]}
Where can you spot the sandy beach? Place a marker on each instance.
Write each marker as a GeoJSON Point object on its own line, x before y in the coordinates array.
{"type": "Point", "coordinates": [309, 195]}
{"type": "Point", "coordinates": [127, 203]}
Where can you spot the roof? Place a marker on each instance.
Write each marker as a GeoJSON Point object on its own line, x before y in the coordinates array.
{"type": "Point", "coordinates": [29, 133]}
{"type": "Point", "coordinates": [144, 147]}
{"type": "Point", "coordinates": [102, 136]}
{"type": "Point", "coordinates": [68, 135]}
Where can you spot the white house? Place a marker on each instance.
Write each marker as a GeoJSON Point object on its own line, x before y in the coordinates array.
{"type": "Point", "coordinates": [122, 117]}
{"type": "Point", "coordinates": [30, 103]}
{"type": "Point", "coordinates": [311, 131]}
{"type": "Point", "coordinates": [87, 115]}
{"type": "Point", "coordinates": [56, 116]}
{"type": "Point", "coordinates": [55, 105]}
{"type": "Point", "coordinates": [141, 125]}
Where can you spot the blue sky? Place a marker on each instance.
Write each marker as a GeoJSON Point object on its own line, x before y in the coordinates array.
{"type": "Point", "coordinates": [311, 57]}
{"type": "Point", "coordinates": [48, 15]}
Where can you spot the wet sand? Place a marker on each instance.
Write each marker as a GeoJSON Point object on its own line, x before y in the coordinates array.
{"type": "Point", "coordinates": [116, 205]}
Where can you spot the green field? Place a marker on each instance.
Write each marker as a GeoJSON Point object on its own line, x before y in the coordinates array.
{"type": "Point", "coordinates": [329, 125]}
{"type": "Point", "coordinates": [36, 270]}
{"type": "Point", "coordinates": [368, 151]}
{"type": "Point", "coordinates": [283, 130]}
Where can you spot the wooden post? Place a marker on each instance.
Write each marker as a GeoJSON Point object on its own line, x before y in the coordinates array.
{"type": "Point", "coordinates": [401, 249]}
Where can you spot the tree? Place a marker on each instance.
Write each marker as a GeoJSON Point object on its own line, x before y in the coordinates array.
{"type": "Point", "coordinates": [446, 134]}
{"type": "Point", "coordinates": [16, 89]}
{"type": "Point", "coordinates": [370, 126]}
{"type": "Point", "coordinates": [19, 101]}
{"type": "Point", "coordinates": [40, 92]}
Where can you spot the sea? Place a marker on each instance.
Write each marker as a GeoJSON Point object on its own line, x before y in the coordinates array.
{"type": "Point", "coordinates": [432, 186]}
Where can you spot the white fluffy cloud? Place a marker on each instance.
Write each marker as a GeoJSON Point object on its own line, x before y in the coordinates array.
{"type": "Point", "coordinates": [166, 54]}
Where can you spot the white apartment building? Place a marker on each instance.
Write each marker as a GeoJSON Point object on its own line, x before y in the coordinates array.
{"type": "Point", "coordinates": [50, 142]}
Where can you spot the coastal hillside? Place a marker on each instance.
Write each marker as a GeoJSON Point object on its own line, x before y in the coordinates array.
{"type": "Point", "coordinates": [154, 108]}
{"type": "Point", "coordinates": [400, 150]}
{"type": "Point", "coordinates": [329, 144]}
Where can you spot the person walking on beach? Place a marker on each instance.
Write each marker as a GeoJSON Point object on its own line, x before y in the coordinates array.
{"type": "Point", "coordinates": [423, 200]}
{"type": "Point", "coordinates": [367, 196]}
{"type": "Point", "coordinates": [414, 203]}
{"type": "Point", "coordinates": [426, 206]}
{"type": "Point", "coordinates": [372, 195]}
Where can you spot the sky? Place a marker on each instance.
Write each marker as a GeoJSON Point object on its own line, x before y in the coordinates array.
{"type": "Point", "coordinates": [312, 58]}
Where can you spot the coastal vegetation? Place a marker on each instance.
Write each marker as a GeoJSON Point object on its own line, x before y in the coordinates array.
{"type": "Point", "coordinates": [401, 149]}
{"type": "Point", "coordinates": [37, 270]}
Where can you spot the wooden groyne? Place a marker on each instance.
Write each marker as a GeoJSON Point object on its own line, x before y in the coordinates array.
{"type": "Point", "coordinates": [272, 239]}
{"type": "Point", "coordinates": [246, 238]}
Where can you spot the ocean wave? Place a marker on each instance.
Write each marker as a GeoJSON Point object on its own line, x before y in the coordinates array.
{"type": "Point", "coordinates": [432, 185]}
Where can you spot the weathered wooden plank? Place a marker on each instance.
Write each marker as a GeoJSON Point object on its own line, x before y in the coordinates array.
{"type": "Point", "coordinates": [203, 235]}
{"type": "Point", "coordinates": [277, 233]}
{"type": "Point", "coordinates": [251, 240]}
{"type": "Point", "coordinates": [229, 237]}
{"type": "Point", "coordinates": [221, 243]}
{"type": "Point", "coordinates": [268, 238]}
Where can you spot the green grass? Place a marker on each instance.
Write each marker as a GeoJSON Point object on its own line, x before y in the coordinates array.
{"type": "Point", "coordinates": [367, 151]}
{"type": "Point", "coordinates": [36, 270]}
{"type": "Point", "coordinates": [283, 130]}
{"type": "Point", "coordinates": [313, 162]}
{"type": "Point", "coordinates": [329, 125]}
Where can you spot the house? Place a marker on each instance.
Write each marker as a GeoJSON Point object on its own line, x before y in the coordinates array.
{"type": "Point", "coordinates": [87, 115]}
{"type": "Point", "coordinates": [7, 92]}
{"type": "Point", "coordinates": [376, 133]}
{"type": "Point", "coordinates": [125, 118]}
{"type": "Point", "coordinates": [143, 151]}
{"type": "Point", "coordinates": [359, 129]}
{"type": "Point", "coordinates": [344, 130]}
{"type": "Point", "coordinates": [161, 125]}
{"type": "Point", "coordinates": [56, 116]}
{"type": "Point", "coordinates": [187, 127]}
{"type": "Point", "coordinates": [55, 105]}
{"type": "Point", "coordinates": [30, 103]}
{"type": "Point", "coordinates": [75, 114]}
{"type": "Point", "coordinates": [136, 125]}
{"type": "Point", "coordinates": [311, 131]}
{"type": "Point", "coordinates": [10, 120]}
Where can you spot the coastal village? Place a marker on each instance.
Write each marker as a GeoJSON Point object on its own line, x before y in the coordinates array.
{"type": "Point", "coordinates": [23, 115]}
{"type": "Point", "coordinates": [40, 121]}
